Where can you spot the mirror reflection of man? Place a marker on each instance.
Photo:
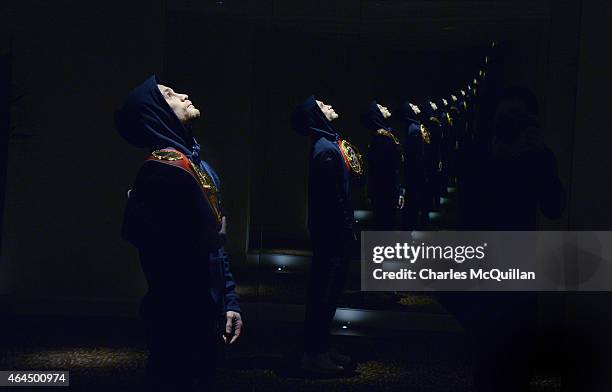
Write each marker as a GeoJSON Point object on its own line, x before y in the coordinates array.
{"type": "Point", "coordinates": [518, 178]}
{"type": "Point", "coordinates": [416, 138]}
{"type": "Point", "coordinates": [175, 218]}
{"type": "Point", "coordinates": [385, 161]}
{"type": "Point", "coordinates": [330, 223]}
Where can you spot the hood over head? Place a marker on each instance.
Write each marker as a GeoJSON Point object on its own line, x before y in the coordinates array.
{"type": "Point", "coordinates": [373, 119]}
{"type": "Point", "coordinates": [308, 119]}
{"type": "Point", "coordinates": [428, 111]}
{"type": "Point", "coordinates": [408, 115]}
{"type": "Point", "coordinates": [146, 120]}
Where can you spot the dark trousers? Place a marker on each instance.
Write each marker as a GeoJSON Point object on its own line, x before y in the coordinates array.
{"type": "Point", "coordinates": [328, 274]}
{"type": "Point", "coordinates": [435, 187]}
{"type": "Point", "coordinates": [502, 331]}
{"type": "Point", "coordinates": [415, 213]}
{"type": "Point", "coordinates": [184, 345]}
{"type": "Point", "coordinates": [384, 213]}
{"type": "Point", "coordinates": [430, 191]}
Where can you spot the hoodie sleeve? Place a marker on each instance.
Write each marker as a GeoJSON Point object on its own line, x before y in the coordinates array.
{"type": "Point", "coordinates": [334, 205]}
{"type": "Point", "coordinates": [222, 258]}
{"type": "Point", "coordinates": [384, 169]}
{"type": "Point", "coordinates": [232, 299]}
{"type": "Point", "coordinates": [414, 151]}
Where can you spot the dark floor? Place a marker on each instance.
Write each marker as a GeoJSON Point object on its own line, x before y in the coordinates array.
{"type": "Point", "coordinates": [109, 355]}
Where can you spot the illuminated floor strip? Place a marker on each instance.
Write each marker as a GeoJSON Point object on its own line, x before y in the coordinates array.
{"type": "Point", "coordinates": [356, 322]}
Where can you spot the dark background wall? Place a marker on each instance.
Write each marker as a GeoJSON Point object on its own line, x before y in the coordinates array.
{"type": "Point", "coordinates": [346, 53]}
{"type": "Point", "coordinates": [68, 171]}
{"type": "Point", "coordinates": [591, 188]}
{"type": "Point", "coordinates": [246, 64]}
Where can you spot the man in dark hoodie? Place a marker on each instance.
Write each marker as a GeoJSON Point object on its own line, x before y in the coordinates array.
{"type": "Point", "coordinates": [385, 161]}
{"type": "Point", "coordinates": [330, 221]}
{"type": "Point", "coordinates": [416, 144]}
{"type": "Point", "coordinates": [434, 166]}
{"type": "Point", "coordinates": [512, 183]}
{"type": "Point", "coordinates": [175, 219]}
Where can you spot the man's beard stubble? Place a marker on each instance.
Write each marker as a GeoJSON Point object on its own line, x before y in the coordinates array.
{"type": "Point", "coordinates": [192, 114]}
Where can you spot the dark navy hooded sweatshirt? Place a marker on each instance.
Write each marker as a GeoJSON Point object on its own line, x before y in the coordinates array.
{"type": "Point", "coordinates": [330, 211]}
{"type": "Point", "coordinates": [167, 217]}
{"type": "Point", "coordinates": [414, 153]}
{"type": "Point", "coordinates": [433, 151]}
{"type": "Point", "coordinates": [384, 160]}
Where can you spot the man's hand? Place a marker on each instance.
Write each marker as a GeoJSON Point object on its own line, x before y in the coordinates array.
{"type": "Point", "coordinates": [400, 202]}
{"type": "Point", "coordinates": [233, 327]}
{"type": "Point", "coordinates": [223, 232]}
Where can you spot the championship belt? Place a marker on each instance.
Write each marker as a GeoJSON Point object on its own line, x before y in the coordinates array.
{"type": "Point", "coordinates": [435, 121]}
{"type": "Point", "coordinates": [351, 156]}
{"type": "Point", "coordinates": [205, 182]}
{"type": "Point", "coordinates": [425, 134]}
{"type": "Point", "coordinates": [389, 134]}
{"type": "Point", "coordinates": [449, 119]}
{"type": "Point", "coordinates": [386, 133]}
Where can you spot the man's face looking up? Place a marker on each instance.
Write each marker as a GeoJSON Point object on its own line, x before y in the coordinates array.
{"type": "Point", "coordinates": [328, 111]}
{"type": "Point", "coordinates": [384, 111]}
{"type": "Point", "coordinates": [180, 104]}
